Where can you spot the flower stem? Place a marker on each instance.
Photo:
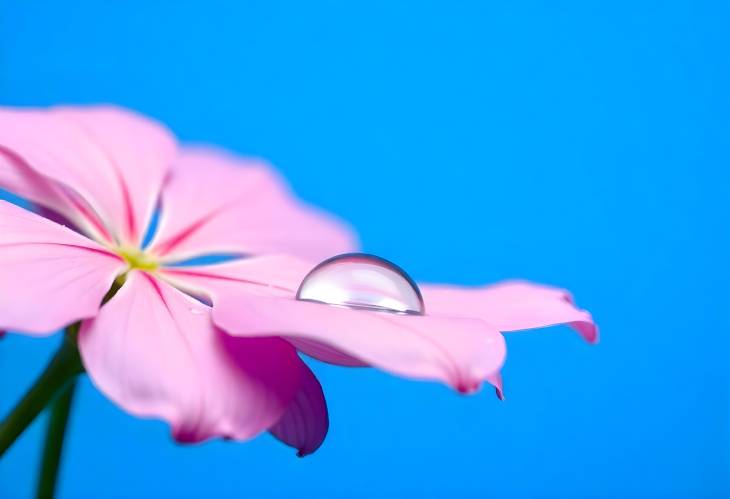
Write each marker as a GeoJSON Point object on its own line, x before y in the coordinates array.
{"type": "Point", "coordinates": [64, 366]}
{"type": "Point", "coordinates": [54, 441]}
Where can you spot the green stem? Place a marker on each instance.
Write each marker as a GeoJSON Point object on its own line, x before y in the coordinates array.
{"type": "Point", "coordinates": [54, 441]}
{"type": "Point", "coordinates": [64, 366]}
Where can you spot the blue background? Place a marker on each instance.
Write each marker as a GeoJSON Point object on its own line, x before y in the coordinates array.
{"type": "Point", "coordinates": [582, 144]}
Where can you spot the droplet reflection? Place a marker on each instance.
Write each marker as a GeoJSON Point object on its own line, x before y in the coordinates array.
{"type": "Point", "coordinates": [358, 280]}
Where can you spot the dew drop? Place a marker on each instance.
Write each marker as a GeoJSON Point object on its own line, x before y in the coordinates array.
{"type": "Point", "coordinates": [361, 281]}
{"type": "Point", "coordinates": [196, 311]}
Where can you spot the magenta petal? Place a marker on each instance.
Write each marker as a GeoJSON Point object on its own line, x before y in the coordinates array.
{"type": "Point", "coordinates": [459, 352]}
{"type": "Point", "coordinates": [304, 424]}
{"type": "Point", "coordinates": [50, 276]}
{"type": "Point", "coordinates": [115, 160]}
{"type": "Point", "coordinates": [240, 206]}
{"type": "Point", "coordinates": [511, 306]}
{"type": "Point", "coordinates": [155, 352]}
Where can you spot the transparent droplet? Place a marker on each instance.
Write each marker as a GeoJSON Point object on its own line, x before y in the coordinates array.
{"type": "Point", "coordinates": [357, 280]}
{"type": "Point", "coordinates": [196, 311]}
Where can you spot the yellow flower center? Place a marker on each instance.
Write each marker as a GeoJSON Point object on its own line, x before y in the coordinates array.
{"type": "Point", "coordinates": [138, 259]}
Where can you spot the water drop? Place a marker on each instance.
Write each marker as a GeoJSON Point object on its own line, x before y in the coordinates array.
{"type": "Point", "coordinates": [361, 281]}
{"type": "Point", "coordinates": [196, 311]}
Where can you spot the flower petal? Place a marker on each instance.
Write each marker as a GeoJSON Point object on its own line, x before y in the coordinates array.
{"type": "Point", "coordinates": [305, 423]}
{"type": "Point", "coordinates": [275, 275]}
{"type": "Point", "coordinates": [155, 352]}
{"type": "Point", "coordinates": [240, 206]}
{"type": "Point", "coordinates": [496, 381]}
{"type": "Point", "coordinates": [50, 276]}
{"type": "Point", "coordinates": [326, 353]}
{"type": "Point", "coordinates": [19, 178]}
{"type": "Point", "coordinates": [115, 160]}
{"type": "Point", "coordinates": [510, 306]}
{"type": "Point", "coordinates": [366, 338]}
{"type": "Point", "coordinates": [459, 352]}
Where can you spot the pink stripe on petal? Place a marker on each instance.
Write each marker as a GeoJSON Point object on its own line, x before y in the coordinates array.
{"type": "Point", "coordinates": [240, 206]}
{"type": "Point", "coordinates": [50, 276]}
{"type": "Point", "coordinates": [155, 352]}
{"type": "Point", "coordinates": [278, 275]}
{"type": "Point", "coordinates": [20, 179]}
{"type": "Point", "coordinates": [115, 160]}
{"type": "Point", "coordinates": [304, 424]}
{"type": "Point", "coordinates": [17, 177]}
{"type": "Point", "coordinates": [510, 306]}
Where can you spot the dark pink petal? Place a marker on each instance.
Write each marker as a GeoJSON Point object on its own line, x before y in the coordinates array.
{"type": "Point", "coordinates": [216, 203]}
{"type": "Point", "coordinates": [304, 424]}
{"type": "Point", "coordinates": [155, 352]}
{"type": "Point", "coordinates": [510, 306]}
{"type": "Point", "coordinates": [459, 352]}
{"type": "Point", "coordinates": [112, 159]}
{"type": "Point", "coordinates": [50, 276]}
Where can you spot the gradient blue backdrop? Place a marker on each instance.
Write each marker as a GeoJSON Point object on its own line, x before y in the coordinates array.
{"type": "Point", "coordinates": [580, 145]}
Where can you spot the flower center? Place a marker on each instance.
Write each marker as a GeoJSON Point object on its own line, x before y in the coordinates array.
{"type": "Point", "coordinates": [138, 259]}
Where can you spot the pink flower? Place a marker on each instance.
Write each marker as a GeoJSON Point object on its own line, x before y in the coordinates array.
{"type": "Point", "coordinates": [230, 368]}
{"type": "Point", "coordinates": [153, 349]}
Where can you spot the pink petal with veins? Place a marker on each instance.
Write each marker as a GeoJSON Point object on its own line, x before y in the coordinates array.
{"type": "Point", "coordinates": [216, 203]}
{"type": "Point", "coordinates": [111, 159]}
{"type": "Point", "coordinates": [459, 352]}
{"type": "Point", "coordinates": [20, 179]}
{"type": "Point", "coordinates": [510, 306]}
{"type": "Point", "coordinates": [50, 276]}
{"type": "Point", "coordinates": [155, 352]}
{"type": "Point", "coordinates": [276, 275]}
